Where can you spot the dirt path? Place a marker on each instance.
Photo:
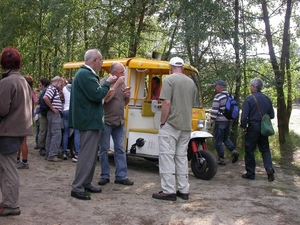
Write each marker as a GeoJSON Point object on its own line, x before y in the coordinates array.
{"type": "Point", "coordinates": [226, 199]}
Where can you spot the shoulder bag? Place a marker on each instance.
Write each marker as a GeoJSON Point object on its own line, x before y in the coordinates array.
{"type": "Point", "coordinates": [266, 128]}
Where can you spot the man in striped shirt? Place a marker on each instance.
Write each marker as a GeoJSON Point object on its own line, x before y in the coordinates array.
{"type": "Point", "coordinates": [221, 124]}
{"type": "Point", "coordinates": [52, 99]}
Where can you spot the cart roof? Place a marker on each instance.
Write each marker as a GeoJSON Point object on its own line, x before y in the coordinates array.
{"type": "Point", "coordinates": [146, 65]}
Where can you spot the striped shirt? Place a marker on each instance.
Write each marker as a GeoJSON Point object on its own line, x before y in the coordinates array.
{"type": "Point", "coordinates": [56, 103]}
{"type": "Point", "coordinates": [218, 107]}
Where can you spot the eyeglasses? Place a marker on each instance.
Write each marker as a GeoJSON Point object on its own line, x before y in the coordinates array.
{"type": "Point", "coordinates": [100, 59]}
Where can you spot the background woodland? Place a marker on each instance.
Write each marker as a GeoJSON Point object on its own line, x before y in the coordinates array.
{"type": "Point", "coordinates": [233, 40]}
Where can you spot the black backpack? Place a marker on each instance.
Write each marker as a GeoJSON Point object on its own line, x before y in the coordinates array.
{"type": "Point", "coordinates": [43, 106]}
{"type": "Point", "coordinates": [231, 108]}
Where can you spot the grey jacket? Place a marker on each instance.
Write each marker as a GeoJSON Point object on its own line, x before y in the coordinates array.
{"type": "Point", "coordinates": [15, 106]}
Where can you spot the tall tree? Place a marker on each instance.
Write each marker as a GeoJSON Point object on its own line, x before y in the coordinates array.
{"type": "Point", "coordinates": [280, 68]}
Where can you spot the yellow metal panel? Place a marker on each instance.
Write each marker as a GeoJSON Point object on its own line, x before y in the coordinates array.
{"type": "Point", "coordinates": [138, 130]}
{"type": "Point", "coordinates": [146, 109]}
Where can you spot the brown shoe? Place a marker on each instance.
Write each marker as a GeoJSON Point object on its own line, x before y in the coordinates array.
{"type": "Point", "coordinates": [54, 159]}
{"type": "Point", "coordinates": [5, 211]}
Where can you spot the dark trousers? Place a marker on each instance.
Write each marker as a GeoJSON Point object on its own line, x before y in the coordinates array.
{"type": "Point", "coordinates": [221, 135]}
{"type": "Point", "coordinates": [37, 130]}
{"type": "Point", "coordinates": [87, 158]}
{"type": "Point", "coordinates": [254, 138]}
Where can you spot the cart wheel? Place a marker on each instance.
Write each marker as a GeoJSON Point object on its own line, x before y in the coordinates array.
{"type": "Point", "coordinates": [204, 166]}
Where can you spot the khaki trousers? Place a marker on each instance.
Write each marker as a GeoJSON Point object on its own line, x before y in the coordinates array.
{"type": "Point", "coordinates": [9, 180]}
{"type": "Point", "coordinates": [43, 131]}
{"type": "Point", "coordinates": [173, 162]}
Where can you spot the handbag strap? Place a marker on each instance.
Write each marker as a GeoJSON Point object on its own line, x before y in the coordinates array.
{"type": "Point", "coordinates": [257, 106]}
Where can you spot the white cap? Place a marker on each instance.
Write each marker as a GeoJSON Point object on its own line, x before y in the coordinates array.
{"type": "Point", "coordinates": [176, 61]}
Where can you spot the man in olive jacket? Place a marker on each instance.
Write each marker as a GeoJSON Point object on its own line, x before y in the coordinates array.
{"type": "Point", "coordinates": [86, 115]}
{"type": "Point", "coordinates": [15, 124]}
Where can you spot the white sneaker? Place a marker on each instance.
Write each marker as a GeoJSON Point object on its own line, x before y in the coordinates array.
{"type": "Point", "coordinates": [22, 165]}
{"type": "Point", "coordinates": [75, 158]}
{"type": "Point", "coordinates": [65, 157]}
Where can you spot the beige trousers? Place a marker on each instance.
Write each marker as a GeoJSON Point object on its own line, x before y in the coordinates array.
{"type": "Point", "coordinates": [173, 162]}
{"type": "Point", "coordinates": [9, 180]}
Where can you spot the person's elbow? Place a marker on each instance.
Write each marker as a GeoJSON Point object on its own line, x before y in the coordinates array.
{"type": "Point", "coordinates": [45, 98]}
{"type": "Point", "coordinates": [167, 102]}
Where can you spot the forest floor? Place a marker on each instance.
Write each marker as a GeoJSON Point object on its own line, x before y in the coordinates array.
{"type": "Point", "coordinates": [226, 199]}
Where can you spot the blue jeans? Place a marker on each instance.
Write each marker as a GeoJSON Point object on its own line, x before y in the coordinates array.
{"type": "Point", "coordinates": [66, 135]}
{"type": "Point", "coordinates": [118, 134]}
{"type": "Point", "coordinates": [221, 135]}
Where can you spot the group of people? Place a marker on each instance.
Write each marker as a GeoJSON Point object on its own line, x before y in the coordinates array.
{"type": "Point", "coordinates": [53, 129]}
{"type": "Point", "coordinates": [174, 132]}
{"type": "Point", "coordinates": [95, 109]}
{"type": "Point", "coordinates": [49, 137]}
{"type": "Point", "coordinates": [250, 123]}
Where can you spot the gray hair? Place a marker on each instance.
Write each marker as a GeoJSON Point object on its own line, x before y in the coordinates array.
{"type": "Point", "coordinates": [92, 53]}
{"type": "Point", "coordinates": [113, 66]}
{"type": "Point", "coordinates": [257, 83]}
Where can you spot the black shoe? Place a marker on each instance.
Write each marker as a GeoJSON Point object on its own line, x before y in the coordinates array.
{"type": "Point", "coordinates": [247, 177]}
{"type": "Point", "coordinates": [183, 196]}
{"type": "Point", "coordinates": [162, 196]}
{"type": "Point", "coordinates": [80, 195]}
{"type": "Point", "coordinates": [124, 182]}
{"type": "Point", "coordinates": [93, 189]}
{"type": "Point", "coordinates": [36, 147]}
{"type": "Point", "coordinates": [235, 156]}
{"type": "Point", "coordinates": [270, 173]}
{"type": "Point", "coordinates": [42, 152]}
{"type": "Point", "coordinates": [221, 161]}
{"type": "Point", "coordinates": [103, 181]}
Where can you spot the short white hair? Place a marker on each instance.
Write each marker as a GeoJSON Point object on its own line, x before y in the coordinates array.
{"type": "Point", "coordinates": [91, 54]}
{"type": "Point", "coordinates": [257, 83]}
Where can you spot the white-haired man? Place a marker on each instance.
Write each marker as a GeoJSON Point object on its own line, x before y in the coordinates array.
{"type": "Point", "coordinates": [86, 115]}
{"type": "Point", "coordinates": [250, 122]}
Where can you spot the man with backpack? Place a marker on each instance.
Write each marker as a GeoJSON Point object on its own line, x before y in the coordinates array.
{"type": "Point", "coordinates": [223, 104]}
{"type": "Point", "coordinates": [42, 116]}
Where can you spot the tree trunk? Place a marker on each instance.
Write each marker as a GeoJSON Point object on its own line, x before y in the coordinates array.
{"type": "Point", "coordinates": [279, 70]}
{"type": "Point", "coordinates": [237, 93]}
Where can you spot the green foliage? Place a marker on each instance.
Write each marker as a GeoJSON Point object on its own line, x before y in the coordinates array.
{"type": "Point", "coordinates": [49, 33]}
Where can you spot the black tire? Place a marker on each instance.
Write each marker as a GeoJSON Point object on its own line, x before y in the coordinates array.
{"type": "Point", "coordinates": [208, 168]}
{"type": "Point", "coordinates": [151, 159]}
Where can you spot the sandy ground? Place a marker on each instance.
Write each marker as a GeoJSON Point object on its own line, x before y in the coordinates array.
{"type": "Point", "coordinates": [226, 199]}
